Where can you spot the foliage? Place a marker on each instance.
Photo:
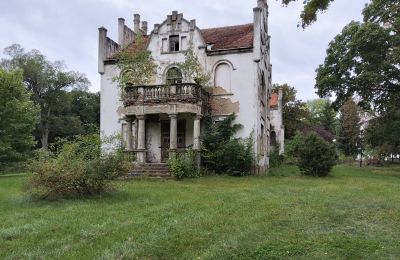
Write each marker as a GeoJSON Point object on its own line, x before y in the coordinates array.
{"type": "Point", "coordinates": [349, 132]}
{"type": "Point", "coordinates": [275, 159]}
{"type": "Point", "coordinates": [192, 71]}
{"type": "Point", "coordinates": [76, 169]}
{"type": "Point", "coordinates": [364, 59]}
{"type": "Point", "coordinates": [310, 10]}
{"type": "Point", "coordinates": [322, 114]}
{"type": "Point", "coordinates": [183, 165]}
{"type": "Point", "coordinates": [295, 113]}
{"type": "Point", "coordinates": [316, 157]}
{"type": "Point", "coordinates": [18, 117]}
{"type": "Point", "coordinates": [46, 81]}
{"type": "Point", "coordinates": [292, 147]}
{"type": "Point", "coordinates": [382, 133]}
{"type": "Point", "coordinates": [135, 64]}
{"type": "Point", "coordinates": [222, 152]}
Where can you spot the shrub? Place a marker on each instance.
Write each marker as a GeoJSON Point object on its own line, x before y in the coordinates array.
{"type": "Point", "coordinates": [275, 159]}
{"type": "Point", "coordinates": [222, 153]}
{"type": "Point", "coordinates": [183, 165]}
{"type": "Point", "coordinates": [76, 169]}
{"type": "Point", "coordinates": [316, 157]}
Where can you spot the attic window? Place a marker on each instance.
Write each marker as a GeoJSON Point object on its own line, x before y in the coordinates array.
{"type": "Point", "coordinates": [174, 43]}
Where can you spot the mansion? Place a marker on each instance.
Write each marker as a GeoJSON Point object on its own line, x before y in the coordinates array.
{"type": "Point", "coordinates": [167, 114]}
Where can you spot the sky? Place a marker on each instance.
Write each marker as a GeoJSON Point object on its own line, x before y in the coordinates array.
{"type": "Point", "coordinates": [68, 30]}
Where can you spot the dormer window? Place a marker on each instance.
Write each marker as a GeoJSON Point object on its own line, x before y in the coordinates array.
{"type": "Point", "coordinates": [174, 43]}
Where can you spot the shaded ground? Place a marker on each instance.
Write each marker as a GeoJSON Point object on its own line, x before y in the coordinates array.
{"type": "Point", "coordinates": [353, 214]}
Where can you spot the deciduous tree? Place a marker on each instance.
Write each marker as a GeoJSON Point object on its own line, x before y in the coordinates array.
{"type": "Point", "coordinates": [18, 117]}
{"type": "Point", "coordinates": [45, 80]}
{"type": "Point", "coordinates": [364, 59]}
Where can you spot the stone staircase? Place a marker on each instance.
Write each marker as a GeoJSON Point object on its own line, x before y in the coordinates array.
{"type": "Point", "coordinates": [155, 170]}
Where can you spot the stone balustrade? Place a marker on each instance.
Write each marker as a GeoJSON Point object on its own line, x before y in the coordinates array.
{"type": "Point", "coordinates": [184, 92]}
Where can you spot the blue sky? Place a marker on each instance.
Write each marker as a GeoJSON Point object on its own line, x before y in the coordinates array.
{"type": "Point", "coordinates": [67, 30]}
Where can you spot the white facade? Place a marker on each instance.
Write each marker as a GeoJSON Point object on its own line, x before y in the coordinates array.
{"type": "Point", "coordinates": [237, 58]}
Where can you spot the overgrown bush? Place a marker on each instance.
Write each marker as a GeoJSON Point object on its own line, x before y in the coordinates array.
{"type": "Point", "coordinates": [316, 157]}
{"type": "Point", "coordinates": [275, 159]}
{"type": "Point", "coordinates": [76, 169]}
{"type": "Point", "coordinates": [222, 153]}
{"type": "Point", "coordinates": [183, 165]}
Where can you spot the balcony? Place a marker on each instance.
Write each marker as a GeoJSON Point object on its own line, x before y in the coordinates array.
{"type": "Point", "coordinates": [154, 94]}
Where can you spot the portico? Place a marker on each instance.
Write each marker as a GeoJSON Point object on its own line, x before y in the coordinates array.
{"type": "Point", "coordinates": [163, 122]}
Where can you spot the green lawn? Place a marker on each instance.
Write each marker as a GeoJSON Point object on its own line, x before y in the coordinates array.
{"type": "Point", "coordinates": [354, 214]}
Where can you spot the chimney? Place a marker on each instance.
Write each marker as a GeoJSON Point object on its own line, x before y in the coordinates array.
{"type": "Point", "coordinates": [102, 49]}
{"type": "Point", "coordinates": [144, 27]}
{"type": "Point", "coordinates": [136, 23]}
{"type": "Point", "coordinates": [121, 25]}
{"type": "Point", "coordinates": [156, 27]}
{"type": "Point", "coordinates": [192, 24]}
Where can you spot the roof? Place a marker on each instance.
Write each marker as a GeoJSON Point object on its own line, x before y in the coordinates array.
{"type": "Point", "coordinates": [229, 37]}
{"type": "Point", "coordinates": [273, 101]}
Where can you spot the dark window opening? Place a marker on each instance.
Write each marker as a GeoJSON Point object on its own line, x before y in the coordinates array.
{"type": "Point", "coordinates": [174, 43]}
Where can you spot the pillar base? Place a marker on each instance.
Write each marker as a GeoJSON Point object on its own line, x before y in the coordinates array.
{"type": "Point", "coordinates": [172, 153]}
{"type": "Point", "coordinates": [141, 156]}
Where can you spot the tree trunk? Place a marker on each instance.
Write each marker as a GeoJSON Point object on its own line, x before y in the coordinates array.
{"type": "Point", "coordinates": [44, 139]}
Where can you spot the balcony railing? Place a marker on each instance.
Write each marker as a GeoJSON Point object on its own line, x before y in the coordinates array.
{"type": "Point", "coordinates": [183, 92]}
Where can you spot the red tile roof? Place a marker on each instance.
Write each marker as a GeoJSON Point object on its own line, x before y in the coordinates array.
{"type": "Point", "coordinates": [229, 37]}
{"type": "Point", "coordinates": [273, 101]}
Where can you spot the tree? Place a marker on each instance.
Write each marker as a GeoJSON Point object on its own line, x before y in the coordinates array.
{"type": "Point", "coordinates": [382, 132]}
{"type": "Point", "coordinates": [45, 80]}
{"type": "Point", "coordinates": [349, 133]}
{"type": "Point", "coordinates": [310, 10]}
{"type": "Point", "coordinates": [135, 64]}
{"type": "Point", "coordinates": [18, 117]}
{"type": "Point", "coordinates": [364, 59]}
{"type": "Point", "coordinates": [322, 114]}
{"type": "Point", "coordinates": [192, 71]}
{"type": "Point", "coordinates": [295, 113]}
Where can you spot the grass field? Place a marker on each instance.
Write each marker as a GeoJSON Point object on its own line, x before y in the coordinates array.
{"type": "Point", "coordinates": [353, 214]}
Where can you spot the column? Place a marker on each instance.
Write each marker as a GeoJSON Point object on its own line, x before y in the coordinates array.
{"type": "Point", "coordinates": [141, 144]}
{"type": "Point", "coordinates": [173, 132]}
{"type": "Point", "coordinates": [196, 138]}
{"type": "Point", "coordinates": [196, 132]}
{"type": "Point", "coordinates": [128, 133]}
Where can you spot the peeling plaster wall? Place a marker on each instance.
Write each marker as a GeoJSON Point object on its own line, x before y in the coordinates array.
{"type": "Point", "coordinates": [110, 104]}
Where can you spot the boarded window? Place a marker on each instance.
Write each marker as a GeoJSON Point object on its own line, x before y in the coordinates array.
{"type": "Point", "coordinates": [223, 76]}
{"type": "Point", "coordinates": [174, 43]}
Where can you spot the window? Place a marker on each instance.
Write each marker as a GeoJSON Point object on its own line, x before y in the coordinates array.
{"type": "Point", "coordinates": [223, 76]}
{"type": "Point", "coordinates": [174, 76]}
{"type": "Point", "coordinates": [174, 43]}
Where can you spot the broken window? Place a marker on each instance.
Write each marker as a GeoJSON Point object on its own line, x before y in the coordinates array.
{"type": "Point", "coordinates": [174, 43]}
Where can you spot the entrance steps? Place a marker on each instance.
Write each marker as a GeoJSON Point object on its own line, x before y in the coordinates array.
{"type": "Point", "coordinates": [157, 170]}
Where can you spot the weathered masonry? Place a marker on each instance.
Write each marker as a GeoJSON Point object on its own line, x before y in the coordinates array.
{"type": "Point", "coordinates": [167, 115]}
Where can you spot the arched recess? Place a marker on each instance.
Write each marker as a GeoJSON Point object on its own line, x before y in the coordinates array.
{"type": "Point", "coordinates": [273, 141]}
{"type": "Point", "coordinates": [223, 76]}
{"type": "Point", "coordinates": [173, 75]}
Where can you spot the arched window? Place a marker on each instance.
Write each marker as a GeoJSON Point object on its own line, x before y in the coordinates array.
{"type": "Point", "coordinates": [174, 75]}
{"type": "Point", "coordinates": [223, 76]}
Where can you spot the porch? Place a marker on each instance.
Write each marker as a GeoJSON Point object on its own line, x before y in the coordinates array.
{"type": "Point", "coordinates": [163, 120]}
